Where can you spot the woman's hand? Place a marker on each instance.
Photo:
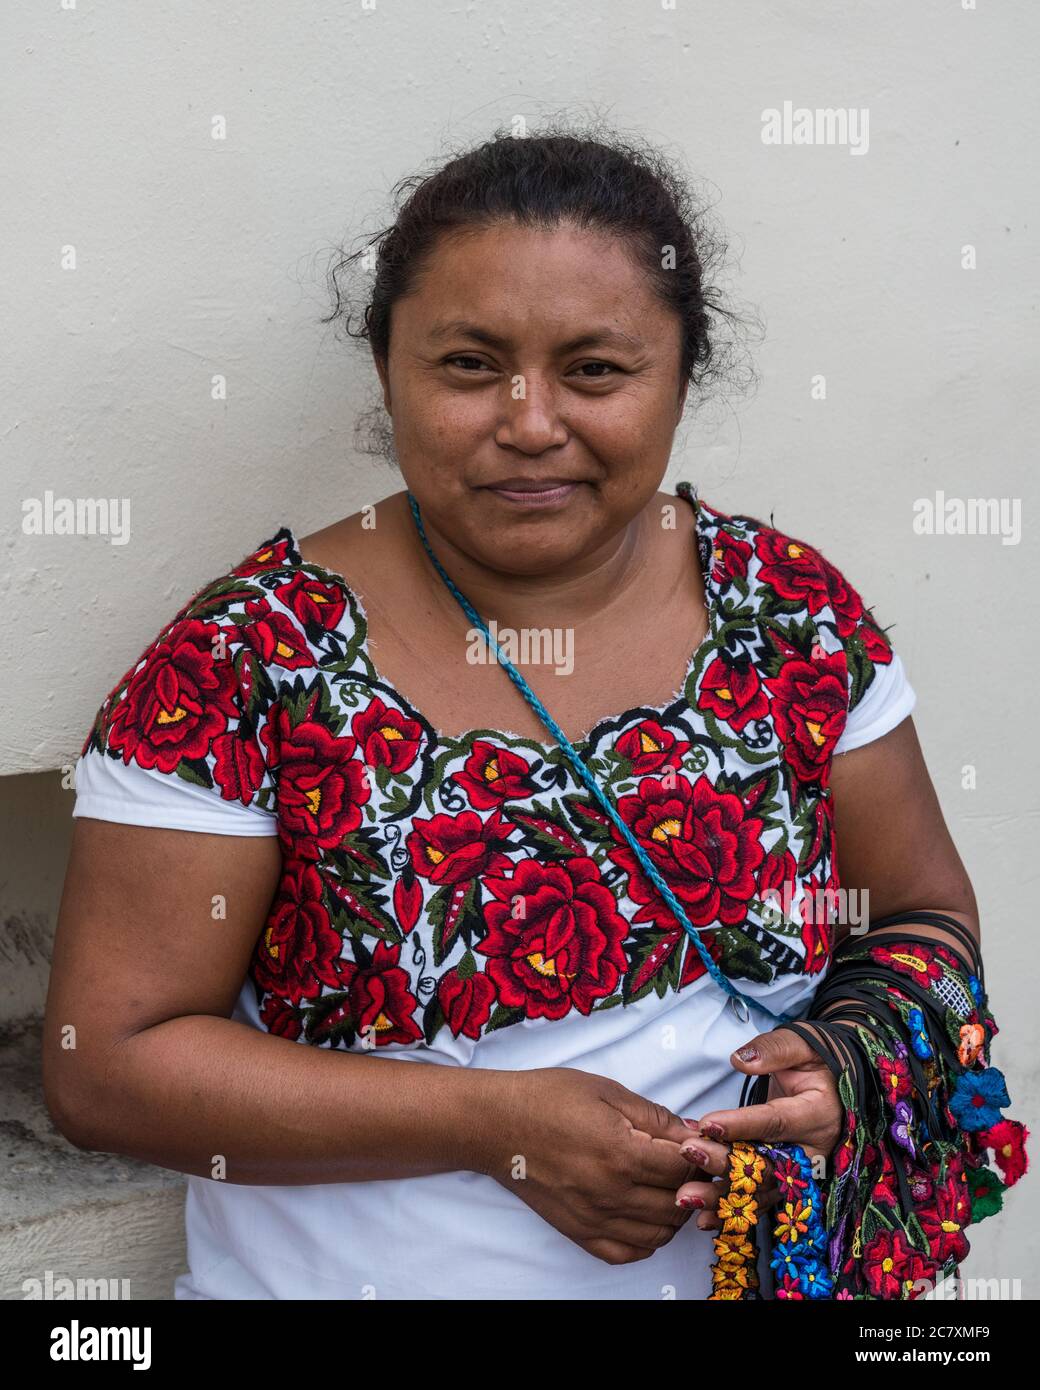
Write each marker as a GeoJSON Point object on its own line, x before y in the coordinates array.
{"type": "Point", "coordinates": [803, 1107]}
{"type": "Point", "coordinates": [593, 1159]}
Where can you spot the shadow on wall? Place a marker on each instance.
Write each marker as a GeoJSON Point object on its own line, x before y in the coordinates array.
{"type": "Point", "coordinates": [113, 1223]}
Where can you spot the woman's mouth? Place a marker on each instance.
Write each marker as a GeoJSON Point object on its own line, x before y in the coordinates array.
{"type": "Point", "coordinates": [535, 494]}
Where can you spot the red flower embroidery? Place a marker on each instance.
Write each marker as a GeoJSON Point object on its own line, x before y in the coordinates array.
{"type": "Point", "coordinates": [1007, 1139]}
{"type": "Point", "coordinates": [649, 747]}
{"type": "Point", "coordinates": [843, 600]}
{"type": "Point", "coordinates": [455, 849]}
{"type": "Point", "coordinates": [777, 878]}
{"type": "Point", "coordinates": [562, 949]}
{"type": "Point", "coordinates": [268, 726]}
{"type": "Point", "coordinates": [920, 964]}
{"type": "Point", "coordinates": [730, 557]}
{"type": "Point", "coordinates": [177, 703]}
{"type": "Point", "coordinates": [893, 1267]}
{"type": "Point", "coordinates": [895, 1078]}
{"type": "Point", "coordinates": [491, 775]}
{"type": "Point", "coordinates": [466, 996]}
{"type": "Point", "coordinates": [274, 637]}
{"type": "Point", "coordinates": [281, 1018]}
{"type": "Point", "coordinates": [732, 690]}
{"type": "Point", "coordinates": [298, 949]}
{"type": "Point", "coordinates": [944, 1223]}
{"type": "Point", "coordinates": [313, 601]}
{"type": "Point", "coordinates": [810, 710]}
{"type": "Point", "coordinates": [701, 843]}
{"type": "Point", "coordinates": [380, 1004]}
{"type": "Point", "coordinates": [321, 785]}
{"type": "Point", "coordinates": [817, 930]}
{"type": "Point", "coordinates": [793, 569]}
{"type": "Point", "coordinates": [387, 737]}
{"type": "Point", "coordinates": [268, 557]}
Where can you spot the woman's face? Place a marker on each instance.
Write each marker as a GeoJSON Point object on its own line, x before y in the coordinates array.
{"type": "Point", "coordinates": [526, 358]}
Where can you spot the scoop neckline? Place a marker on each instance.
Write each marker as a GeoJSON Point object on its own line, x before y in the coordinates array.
{"type": "Point", "coordinates": [684, 489]}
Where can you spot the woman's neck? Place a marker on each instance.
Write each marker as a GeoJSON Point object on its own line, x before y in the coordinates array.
{"type": "Point", "coordinates": [587, 590]}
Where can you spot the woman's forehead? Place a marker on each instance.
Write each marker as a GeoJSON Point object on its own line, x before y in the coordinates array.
{"type": "Point", "coordinates": [583, 282]}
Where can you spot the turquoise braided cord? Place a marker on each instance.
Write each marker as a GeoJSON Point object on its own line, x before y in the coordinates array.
{"type": "Point", "coordinates": [583, 772]}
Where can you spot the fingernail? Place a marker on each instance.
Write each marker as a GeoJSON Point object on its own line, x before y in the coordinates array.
{"type": "Point", "coordinates": [692, 1124]}
{"type": "Point", "coordinates": [748, 1054]}
{"type": "Point", "coordinates": [712, 1130]}
{"type": "Point", "coordinates": [695, 1156]}
{"type": "Point", "coordinates": [694, 1202]}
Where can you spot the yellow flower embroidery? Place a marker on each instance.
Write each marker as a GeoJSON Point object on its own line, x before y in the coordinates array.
{"type": "Point", "coordinates": [748, 1174]}
{"type": "Point", "coordinates": [792, 1221]}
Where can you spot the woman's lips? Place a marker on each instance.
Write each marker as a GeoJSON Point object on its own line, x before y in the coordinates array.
{"type": "Point", "coordinates": [537, 497]}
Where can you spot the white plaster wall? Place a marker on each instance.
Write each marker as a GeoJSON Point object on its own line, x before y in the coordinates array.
{"type": "Point", "coordinates": [197, 258]}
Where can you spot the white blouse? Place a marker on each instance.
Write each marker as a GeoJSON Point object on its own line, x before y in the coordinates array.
{"type": "Point", "coordinates": [405, 870]}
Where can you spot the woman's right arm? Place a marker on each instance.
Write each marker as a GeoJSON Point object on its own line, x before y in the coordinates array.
{"type": "Point", "coordinates": [141, 1058]}
{"type": "Point", "coordinates": [145, 973]}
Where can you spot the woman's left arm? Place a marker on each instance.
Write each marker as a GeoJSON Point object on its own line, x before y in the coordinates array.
{"type": "Point", "coordinates": [894, 850]}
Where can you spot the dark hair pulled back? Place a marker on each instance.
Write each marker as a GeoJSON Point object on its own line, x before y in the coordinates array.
{"type": "Point", "coordinates": [607, 183]}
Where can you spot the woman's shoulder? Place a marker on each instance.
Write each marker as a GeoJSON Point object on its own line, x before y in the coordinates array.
{"type": "Point", "coordinates": [227, 651]}
{"type": "Point", "coordinates": [354, 543]}
{"type": "Point", "coordinates": [791, 568]}
{"type": "Point", "coordinates": [808, 606]}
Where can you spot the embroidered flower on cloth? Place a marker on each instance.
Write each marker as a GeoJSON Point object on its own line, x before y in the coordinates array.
{"type": "Point", "coordinates": [1007, 1140]}
{"type": "Point", "coordinates": [977, 1098]}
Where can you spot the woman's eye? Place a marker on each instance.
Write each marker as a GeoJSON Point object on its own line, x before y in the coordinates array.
{"type": "Point", "coordinates": [592, 371]}
{"type": "Point", "coordinates": [462, 357]}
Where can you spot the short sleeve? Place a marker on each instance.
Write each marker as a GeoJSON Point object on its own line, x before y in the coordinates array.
{"type": "Point", "coordinates": [880, 693]}
{"type": "Point", "coordinates": [184, 740]}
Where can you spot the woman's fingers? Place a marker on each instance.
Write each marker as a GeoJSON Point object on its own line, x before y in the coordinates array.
{"type": "Point", "coordinates": [786, 1118]}
{"type": "Point", "coordinates": [706, 1154]}
{"type": "Point", "coordinates": [713, 1158]}
{"type": "Point", "coordinates": [708, 1219]}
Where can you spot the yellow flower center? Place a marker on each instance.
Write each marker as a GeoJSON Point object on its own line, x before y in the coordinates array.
{"type": "Point", "coordinates": [547, 967]}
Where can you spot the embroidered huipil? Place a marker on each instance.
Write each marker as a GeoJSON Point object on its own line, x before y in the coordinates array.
{"type": "Point", "coordinates": [258, 710]}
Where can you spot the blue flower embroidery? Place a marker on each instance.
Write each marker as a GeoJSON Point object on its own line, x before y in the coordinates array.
{"type": "Point", "coordinates": [919, 1039]}
{"type": "Point", "coordinates": [976, 1099]}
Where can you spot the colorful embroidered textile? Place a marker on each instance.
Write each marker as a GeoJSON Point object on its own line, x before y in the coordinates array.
{"type": "Point", "coordinates": [906, 1031]}
{"type": "Point", "coordinates": [798, 1250]}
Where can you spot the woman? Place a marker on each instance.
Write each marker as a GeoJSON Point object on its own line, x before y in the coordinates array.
{"type": "Point", "coordinates": [392, 860]}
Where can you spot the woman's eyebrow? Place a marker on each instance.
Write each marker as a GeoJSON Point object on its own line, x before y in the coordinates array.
{"type": "Point", "coordinates": [596, 337]}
